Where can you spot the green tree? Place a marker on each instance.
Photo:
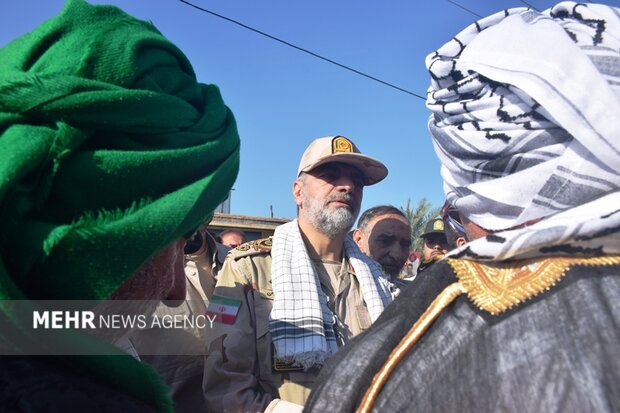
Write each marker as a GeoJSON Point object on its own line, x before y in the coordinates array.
{"type": "Point", "coordinates": [418, 217]}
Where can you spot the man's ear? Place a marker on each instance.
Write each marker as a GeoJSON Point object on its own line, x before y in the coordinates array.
{"type": "Point", "coordinates": [297, 188]}
{"type": "Point", "coordinates": [357, 237]}
{"type": "Point", "coordinates": [460, 241]}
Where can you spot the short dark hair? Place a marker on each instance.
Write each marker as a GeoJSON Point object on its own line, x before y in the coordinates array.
{"type": "Point", "coordinates": [376, 211]}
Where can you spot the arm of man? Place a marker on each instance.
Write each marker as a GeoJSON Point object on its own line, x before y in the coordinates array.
{"type": "Point", "coordinates": [230, 379]}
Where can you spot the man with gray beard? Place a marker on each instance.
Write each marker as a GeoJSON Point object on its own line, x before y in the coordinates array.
{"type": "Point", "coordinates": [284, 305]}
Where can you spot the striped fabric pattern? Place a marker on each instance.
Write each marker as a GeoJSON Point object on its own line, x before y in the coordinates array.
{"type": "Point", "coordinates": [514, 121]}
{"type": "Point", "coordinates": [525, 123]}
{"type": "Point", "coordinates": [301, 324]}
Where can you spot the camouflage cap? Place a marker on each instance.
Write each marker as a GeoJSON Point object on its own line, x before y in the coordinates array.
{"type": "Point", "coordinates": [342, 150]}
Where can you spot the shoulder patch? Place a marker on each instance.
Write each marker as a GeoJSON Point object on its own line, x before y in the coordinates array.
{"type": "Point", "coordinates": [263, 244]}
{"type": "Point", "coordinates": [260, 246]}
{"type": "Point", "coordinates": [223, 309]}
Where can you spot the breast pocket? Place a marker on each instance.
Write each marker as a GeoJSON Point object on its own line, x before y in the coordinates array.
{"type": "Point", "coordinates": [363, 317]}
{"type": "Point", "coordinates": [263, 302]}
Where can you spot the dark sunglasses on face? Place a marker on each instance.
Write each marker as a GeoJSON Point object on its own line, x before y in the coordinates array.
{"type": "Point", "coordinates": [452, 217]}
{"type": "Point", "coordinates": [435, 239]}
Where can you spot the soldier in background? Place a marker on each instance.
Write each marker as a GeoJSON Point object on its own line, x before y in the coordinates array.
{"type": "Point", "coordinates": [435, 238]}
{"type": "Point", "coordinates": [384, 233]}
{"type": "Point", "coordinates": [231, 238]}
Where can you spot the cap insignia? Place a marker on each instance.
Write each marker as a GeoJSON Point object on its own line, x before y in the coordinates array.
{"type": "Point", "coordinates": [342, 144]}
{"type": "Point", "coordinates": [438, 225]}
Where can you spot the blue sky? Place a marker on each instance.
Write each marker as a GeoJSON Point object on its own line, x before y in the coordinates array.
{"type": "Point", "coordinates": [283, 99]}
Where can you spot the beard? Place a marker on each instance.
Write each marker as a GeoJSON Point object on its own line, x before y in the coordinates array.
{"type": "Point", "coordinates": [390, 266]}
{"type": "Point", "coordinates": [331, 222]}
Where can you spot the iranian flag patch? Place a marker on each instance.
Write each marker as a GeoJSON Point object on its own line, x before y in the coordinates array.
{"type": "Point", "coordinates": [223, 309]}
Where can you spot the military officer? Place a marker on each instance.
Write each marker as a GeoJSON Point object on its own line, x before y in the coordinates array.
{"type": "Point", "coordinates": [284, 306]}
{"type": "Point", "coordinates": [435, 242]}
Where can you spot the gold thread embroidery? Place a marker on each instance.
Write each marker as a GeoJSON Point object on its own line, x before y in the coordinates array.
{"type": "Point", "coordinates": [438, 225]}
{"type": "Point", "coordinates": [342, 144]}
{"type": "Point", "coordinates": [262, 245]}
{"type": "Point", "coordinates": [419, 328]}
{"type": "Point", "coordinates": [496, 288]}
{"type": "Point", "coordinates": [503, 287]}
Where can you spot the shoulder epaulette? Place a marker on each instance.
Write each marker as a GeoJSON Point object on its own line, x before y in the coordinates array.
{"type": "Point", "coordinates": [259, 246]}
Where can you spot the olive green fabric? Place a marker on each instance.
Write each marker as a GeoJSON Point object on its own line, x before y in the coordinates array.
{"type": "Point", "coordinates": [109, 150]}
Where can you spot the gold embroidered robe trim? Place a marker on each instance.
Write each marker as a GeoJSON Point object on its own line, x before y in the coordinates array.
{"type": "Point", "coordinates": [498, 287]}
{"type": "Point", "coordinates": [449, 294]}
{"type": "Point", "coordinates": [494, 288]}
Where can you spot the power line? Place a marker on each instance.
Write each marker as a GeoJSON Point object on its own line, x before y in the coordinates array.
{"type": "Point", "coordinates": [302, 49]}
{"type": "Point", "coordinates": [529, 5]}
{"type": "Point", "coordinates": [464, 8]}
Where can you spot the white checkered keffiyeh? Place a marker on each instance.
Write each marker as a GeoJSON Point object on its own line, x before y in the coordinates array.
{"type": "Point", "coordinates": [300, 323]}
{"type": "Point", "coordinates": [526, 124]}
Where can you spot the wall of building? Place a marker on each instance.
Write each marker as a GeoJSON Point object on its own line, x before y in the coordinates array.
{"type": "Point", "coordinates": [254, 227]}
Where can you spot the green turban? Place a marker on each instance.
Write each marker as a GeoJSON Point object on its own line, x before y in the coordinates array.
{"type": "Point", "coordinates": [109, 150]}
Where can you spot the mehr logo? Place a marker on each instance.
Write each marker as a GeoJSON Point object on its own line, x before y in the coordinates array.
{"type": "Point", "coordinates": [63, 319]}
{"type": "Point", "coordinates": [87, 319]}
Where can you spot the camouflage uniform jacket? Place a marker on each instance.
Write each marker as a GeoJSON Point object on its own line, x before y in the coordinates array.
{"type": "Point", "coordinates": [240, 374]}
